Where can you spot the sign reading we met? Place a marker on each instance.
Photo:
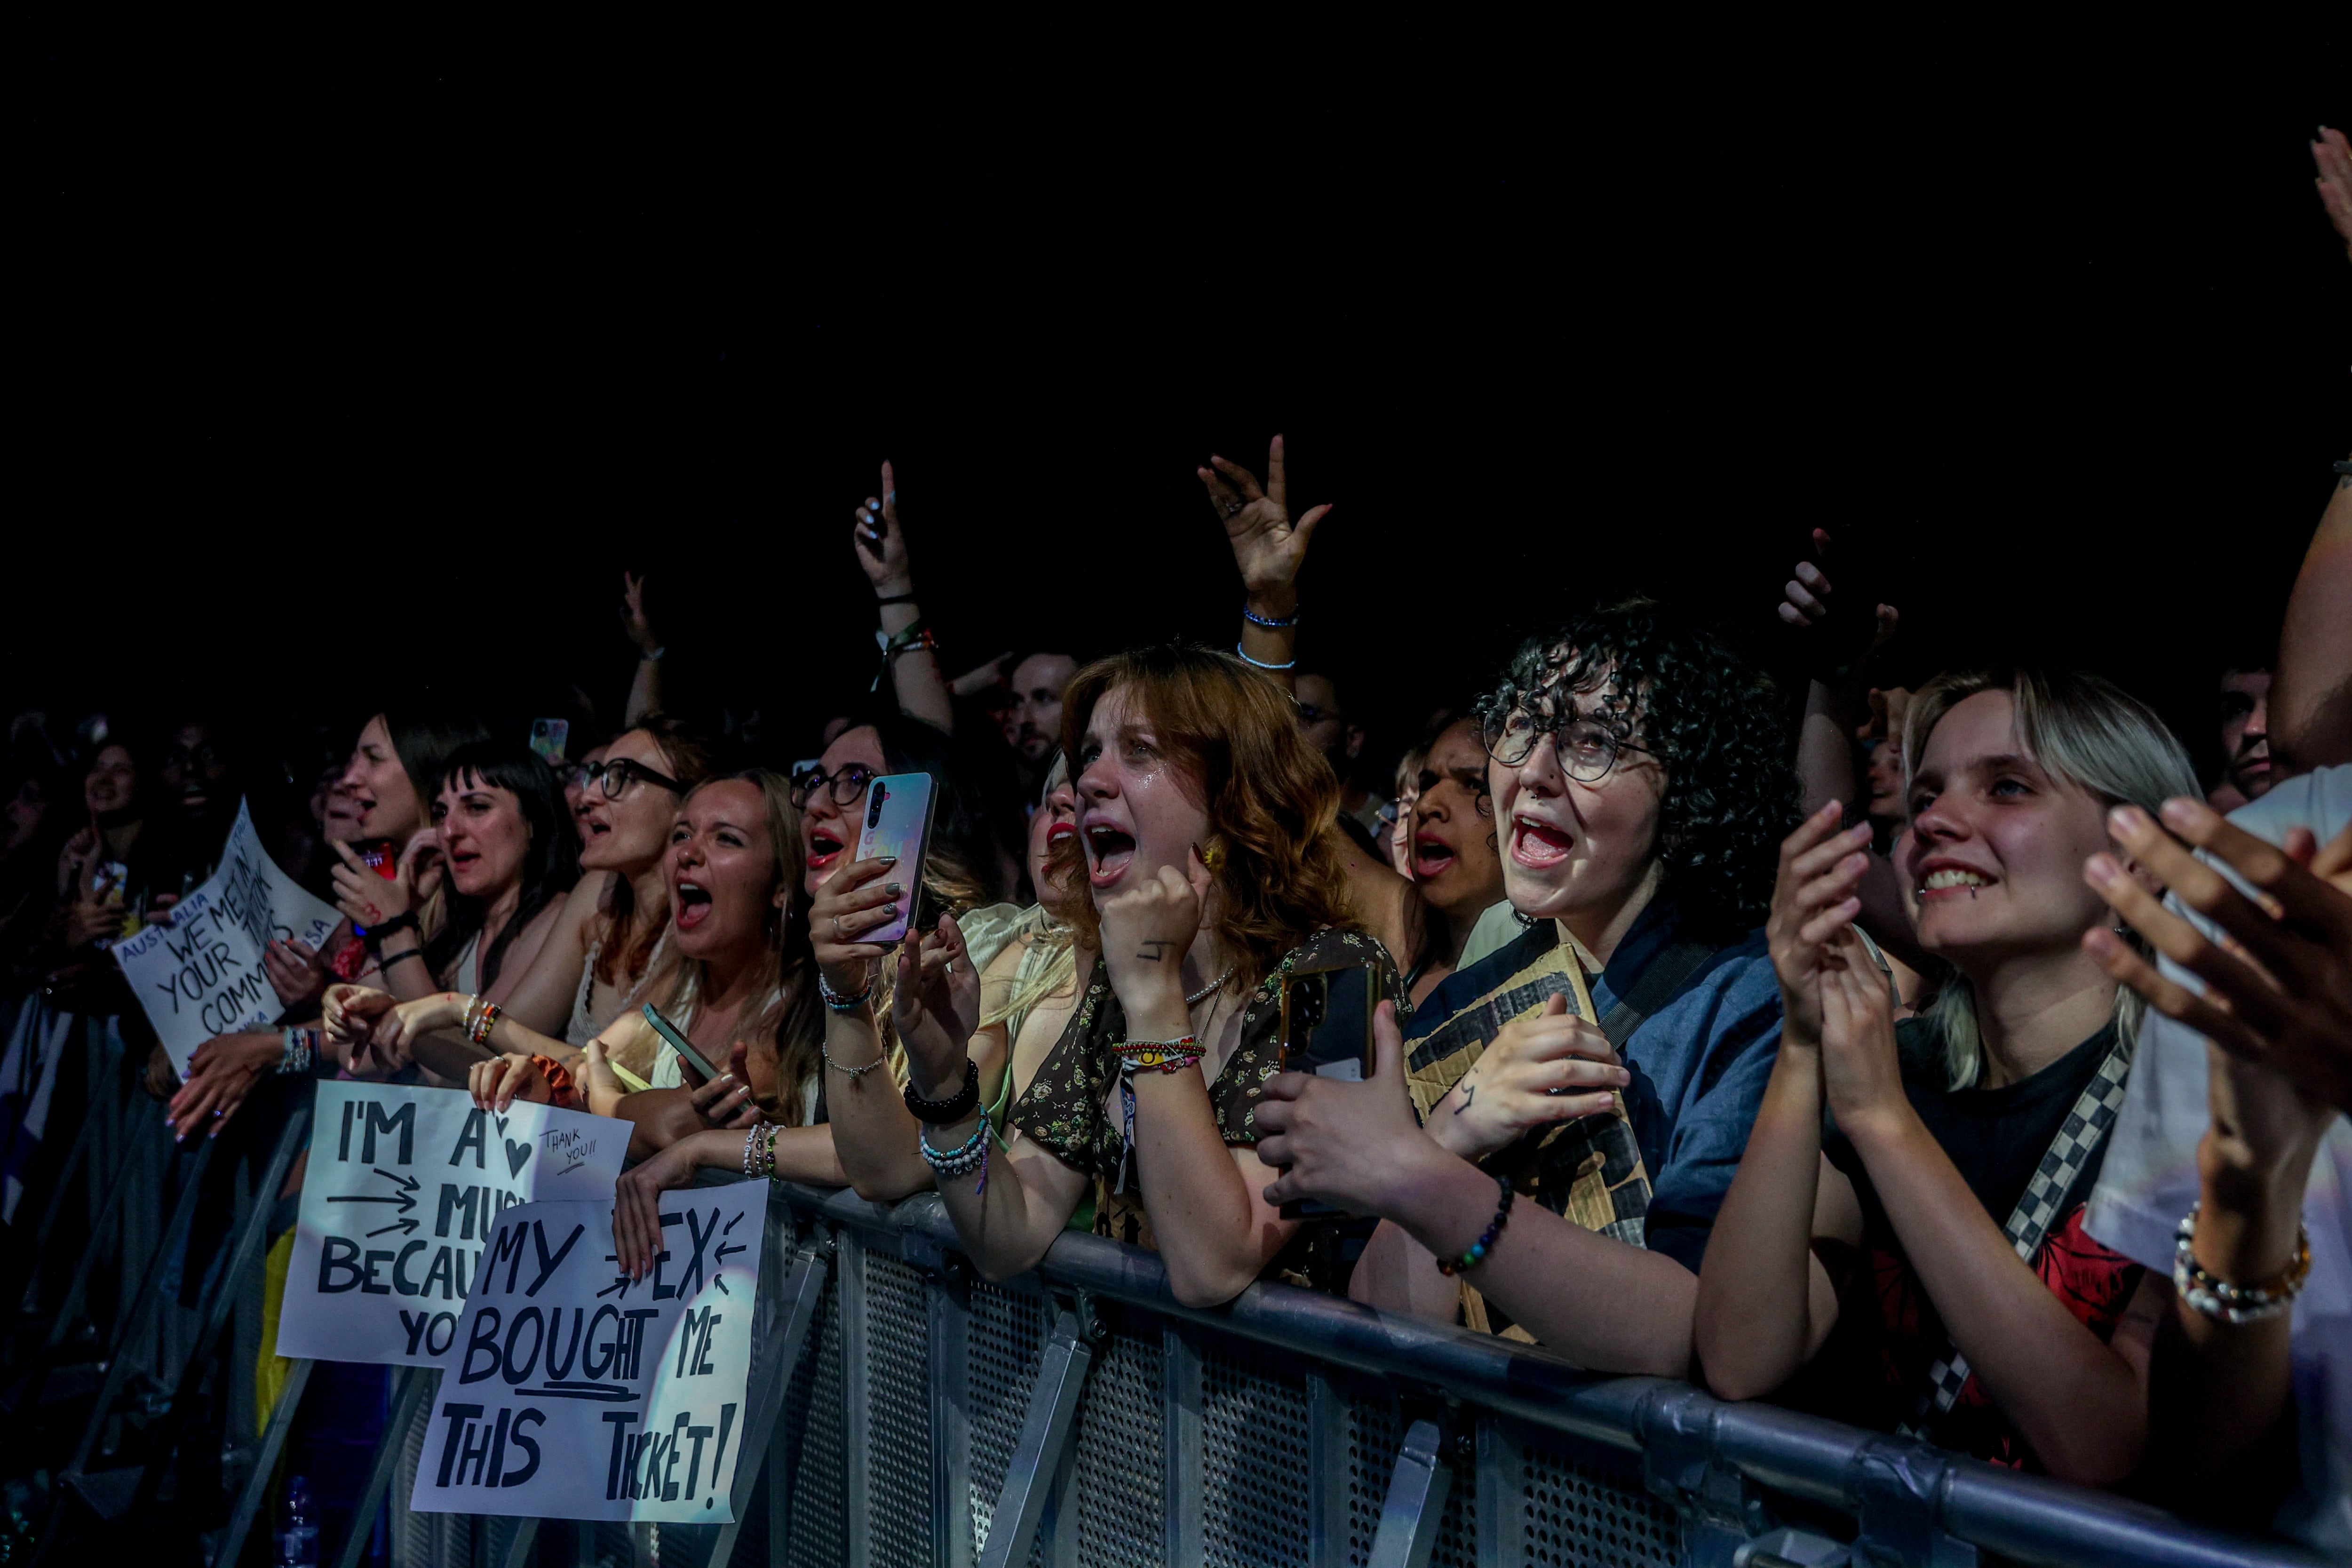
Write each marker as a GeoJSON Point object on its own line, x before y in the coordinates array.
{"type": "Point", "coordinates": [576, 1392]}
{"type": "Point", "coordinates": [403, 1188]}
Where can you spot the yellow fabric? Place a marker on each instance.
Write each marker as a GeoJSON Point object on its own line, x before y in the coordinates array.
{"type": "Point", "coordinates": [270, 1370]}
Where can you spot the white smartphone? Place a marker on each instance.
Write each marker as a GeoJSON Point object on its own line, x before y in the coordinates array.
{"type": "Point", "coordinates": [897, 822]}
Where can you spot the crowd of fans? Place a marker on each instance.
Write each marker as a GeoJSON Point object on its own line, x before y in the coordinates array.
{"type": "Point", "coordinates": [1950, 1060]}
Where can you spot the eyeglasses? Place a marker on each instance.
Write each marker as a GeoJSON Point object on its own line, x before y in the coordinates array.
{"type": "Point", "coordinates": [845, 786]}
{"type": "Point", "coordinates": [614, 777]}
{"type": "Point", "coordinates": [1588, 747]}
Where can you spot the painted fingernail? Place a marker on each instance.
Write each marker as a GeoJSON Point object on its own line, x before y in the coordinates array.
{"type": "Point", "coordinates": [888, 861]}
{"type": "Point", "coordinates": [2126, 819]}
{"type": "Point", "coordinates": [2179, 812]}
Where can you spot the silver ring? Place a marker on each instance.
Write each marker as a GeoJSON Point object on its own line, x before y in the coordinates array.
{"type": "Point", "coordinates": [1231, 507]}
{"type": "Point", "coordinates": [836, 929]}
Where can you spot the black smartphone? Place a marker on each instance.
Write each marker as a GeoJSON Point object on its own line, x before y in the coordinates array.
{"type": "Point", "coordinates": [677, 1037]}
{"type": "Point", "coordinates": [1327, 1029]}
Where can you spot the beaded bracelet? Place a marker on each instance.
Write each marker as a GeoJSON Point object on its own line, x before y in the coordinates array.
{"type": "Point", "coordinates": [301, 1048]}
{"type": "Point", "coordinates": [2236, 1305]}
{"type": "Point", "coordinates": [479, 1030]}
{"type": "Point", "coordinates": [1271, 623]}
{"type": "Point", "coordinates": [1159, 1056]}
{"type": "Point", "coordinates": [749, 1139]}
{"type": "Point", "coordinates": [839, 1003]}
{"type": "Point", "coordinates": [955, 1107]}
{"type": "Point", "coordinates": [1259, 663]}
{"type": "Point", "coordinates": [1485, 1244]}
{"type": "Point", "coordinates": [962, 1160]}
{"type": "Point", "coordinates": [852, 1072]}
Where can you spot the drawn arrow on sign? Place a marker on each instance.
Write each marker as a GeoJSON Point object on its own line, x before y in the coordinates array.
{"type": "Point", "coordinates": [406, 1200]}
{"type": "Point", "coordinates": [402, 1225]}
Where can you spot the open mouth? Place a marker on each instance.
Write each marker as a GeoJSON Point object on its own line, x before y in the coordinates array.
{"type": "Point", "coordinates": [1952, 882]}
{"type": "Point", "coordinates": [1538, 845]}
{"type": "Point", "coordinates": [1432, 855]}
{"type": "Point", "coordinates": [824, 848]}
{"type": "Point", "coordinates": [1109, 851]}
{"type": "Point", "coordinates": [693, 905]}
{"type": "Point", "coordinates": [1060, 833]}
{"type": "Point", "coordinates": [463, 859]}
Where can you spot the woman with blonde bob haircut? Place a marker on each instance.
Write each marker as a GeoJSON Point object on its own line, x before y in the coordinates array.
{"type": "Point", "coordinates": [1202, 877]}
{"type": "Point", "coordinates": [1938, 1224]}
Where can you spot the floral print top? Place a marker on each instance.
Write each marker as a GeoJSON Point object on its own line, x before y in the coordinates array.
{"type": "Point", "coordinates": [1070, 1108]}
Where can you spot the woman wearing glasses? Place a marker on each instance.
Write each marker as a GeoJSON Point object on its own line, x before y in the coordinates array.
{"type": "Point", "coordinates": [1606, 1065]}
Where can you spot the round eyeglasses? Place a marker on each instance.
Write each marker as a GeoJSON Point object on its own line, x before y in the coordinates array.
{"type": "Point", "coordinates": [1587, 748]}
{"type": "Point", "coordinates": [845, 785]}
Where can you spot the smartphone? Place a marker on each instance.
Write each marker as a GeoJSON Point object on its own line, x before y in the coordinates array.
{"type": "Point", "coordinates": [897, 822]}
{"type": "Point", "coordinates": [383, 858]}
{"type": "Point", "coordinates": [548, 737]}
{"type": "Point", "coordinates": [677, 1037]}
{"type": "Point", "coordinates": [106, 884]}
{"type": "Point", "coordinates": [1326, 1029]}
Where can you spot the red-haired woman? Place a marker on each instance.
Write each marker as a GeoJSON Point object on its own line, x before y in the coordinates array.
{"type": "Point", "coordinates": [1206, 852]}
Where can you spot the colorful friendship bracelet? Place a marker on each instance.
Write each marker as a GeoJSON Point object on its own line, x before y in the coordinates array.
{"type": "Point", "coordinates": [1485, 1243]}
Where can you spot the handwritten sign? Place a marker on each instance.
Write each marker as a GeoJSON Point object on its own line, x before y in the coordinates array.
{"type": "Point", "coordinates": [403, 1189]}
{"type": "Point", "coordinates": [201, 975]}
{"type": "Point", "coordinates": [574, 1392]}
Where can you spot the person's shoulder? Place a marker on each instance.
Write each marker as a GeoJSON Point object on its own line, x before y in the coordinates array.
{"type": "Point", "coordinates": [1474, 983]}
{"type": "Point", "coordinates": [2320, 800]}
{"type": "Point", "coordinates": [1739, 972]}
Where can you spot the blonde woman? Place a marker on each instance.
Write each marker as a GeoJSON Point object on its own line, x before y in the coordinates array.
{"type": "Point", "coordinates": [1937, 1228]}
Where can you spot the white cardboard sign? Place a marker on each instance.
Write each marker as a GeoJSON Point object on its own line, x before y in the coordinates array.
{"type": "Point", "coordinates": [575, 1393]}
{"type": "Point", "coordinates": [404, 1190]}
{"type": "Point", "coordinates": [201, 975]}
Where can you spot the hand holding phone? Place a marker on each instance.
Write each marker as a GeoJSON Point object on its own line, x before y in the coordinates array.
{"type": "Point", "coordinates": [897, 822]}
{"type": "Point", "coordinates": [680, 1044]}
{"type": "Point", "coordinates": [1327, 1029]}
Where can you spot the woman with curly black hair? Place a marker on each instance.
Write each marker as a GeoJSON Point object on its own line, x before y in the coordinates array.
{"type": "Point", "coordinates": [1607, 1064]}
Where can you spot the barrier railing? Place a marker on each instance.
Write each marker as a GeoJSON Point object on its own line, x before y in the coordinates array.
{"type": "Point", "coordinates": [912, 1414]}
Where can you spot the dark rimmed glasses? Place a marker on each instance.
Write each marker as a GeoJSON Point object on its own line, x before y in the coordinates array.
{"type": "Point", "coordinates": [614, 777]}
{"type": "Point", "coordinates": [1588, 747]}
{"type": "Point", "coordinates": [845, 785]}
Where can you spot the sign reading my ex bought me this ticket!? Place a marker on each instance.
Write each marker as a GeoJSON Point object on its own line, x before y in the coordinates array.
{"type": "Point", "coordinates": [403, 1189]}
{"type": "Point", "coordinates": [574, 1392]}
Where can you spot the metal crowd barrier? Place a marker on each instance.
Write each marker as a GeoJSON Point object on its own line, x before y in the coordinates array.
{"type": "Point", "coordinates": [912, 1414]}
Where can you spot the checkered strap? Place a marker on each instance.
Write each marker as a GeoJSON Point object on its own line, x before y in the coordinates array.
{"type": "Point", "coordinates": [2029, 1224]}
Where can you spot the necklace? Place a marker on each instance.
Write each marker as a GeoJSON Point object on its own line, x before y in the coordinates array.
{"type": "Point", "coordinates": [1213, 986]}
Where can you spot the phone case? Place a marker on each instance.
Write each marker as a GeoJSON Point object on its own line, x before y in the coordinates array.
{"type": "Point", "coordinates": [548, 737]}
{"type": "Point", "coordinates": [897, 822]}
{"type": "Point", "coordinates": [679, 1042]}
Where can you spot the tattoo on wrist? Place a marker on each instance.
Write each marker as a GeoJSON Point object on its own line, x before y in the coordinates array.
{"type": "Point", "coordinates": [1152, 947]}
{"type": "Point", "coordinates": [1469, 1093]}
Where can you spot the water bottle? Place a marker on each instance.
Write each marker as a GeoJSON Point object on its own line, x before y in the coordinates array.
{"type": "Point", "coordinates": [298, 1543]}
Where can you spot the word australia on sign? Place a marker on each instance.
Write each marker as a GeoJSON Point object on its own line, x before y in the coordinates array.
{"type": "Point", "coordinates": [201, 975]}
{"type": "Point", "coordinates": [577, 1393]}
{"type": "Point", "coordinates": [403, 1189]}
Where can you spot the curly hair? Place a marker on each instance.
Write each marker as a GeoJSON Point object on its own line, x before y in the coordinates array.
{"type": "Point", "coordinates": [1270, 796]}
{"type": "Point", "coordinates": [1711, 719]}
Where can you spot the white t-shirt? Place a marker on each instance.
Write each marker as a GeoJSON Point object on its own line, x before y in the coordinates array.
{"type": "Point", "coordinates": [2150, 1180]}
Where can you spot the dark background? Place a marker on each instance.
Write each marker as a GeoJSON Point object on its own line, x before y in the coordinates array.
{"type": "Point", "coordinates": [339, 379]}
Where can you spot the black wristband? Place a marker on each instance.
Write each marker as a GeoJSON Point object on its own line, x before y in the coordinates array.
{"type": "Point", "coordinates": [386, 960]}
{"type": "Point", "coordinates": [894, 599]}
{"type": "Point", "coordinates": [955, 1107]}
{"type": "Point", "coordinates": [404, 920]}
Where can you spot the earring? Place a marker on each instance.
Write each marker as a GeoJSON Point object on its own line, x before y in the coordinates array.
{"type": "Point", "coordinates": [1212, 854]}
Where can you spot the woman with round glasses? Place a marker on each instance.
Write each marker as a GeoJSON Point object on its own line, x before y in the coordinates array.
{"type": "Point", "coordinates": [1608, 1063]}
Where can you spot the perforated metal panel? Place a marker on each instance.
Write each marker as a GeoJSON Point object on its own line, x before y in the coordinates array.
{"type": "Point", "coordinates": [898, 1414]}
{"type": "Point", "coordinates": [1580, 1514]}
{"type": "Point", "coordinates": [1004, 1344]}
{"type": "Point", "coordinates": [818, 1534]}
{"type": "Point", "coordinates": [1374, 1435]}
{"type": "Point", "coordinates": [1122, 1500]}
{"type": "Point", "coordinates": [1254, 1479]}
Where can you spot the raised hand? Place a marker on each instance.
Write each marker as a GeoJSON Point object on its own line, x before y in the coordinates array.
{"type": "Point", "coordinates": [936, 1003]}
{"type": "Point", "coordinates": [368, 898]}
{"type": "Point", "coordinates": [634, 624]}
{"type": "Point", "coordinates": [297, 972]}
{"type": "Point", "coordinates": [1349, 1144]}
{"type": "Point", "coordinates": [1268, 547]}
{"type": "Point", "coordinates": [1805, 597]}
{"type": "Point", "coordinates": [853, 901]}
{"type": "Point", "coordinates": [1860, 1073]}
{"type": "Point", "coordinates": [1818, 891]}
{"type": "Point", "coordinates": [2279, 994]}
{"type": "Point", "coordinates": [1147, 929]}
{"type": "Point", "coordinates": [1538, 1070]}
{"type": "Point", "coordinates": [2334, 161]}
{"type": "Point", "coordinates": [726, 1100]}
{"type": "Point", "coordinates": [881, 547]}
